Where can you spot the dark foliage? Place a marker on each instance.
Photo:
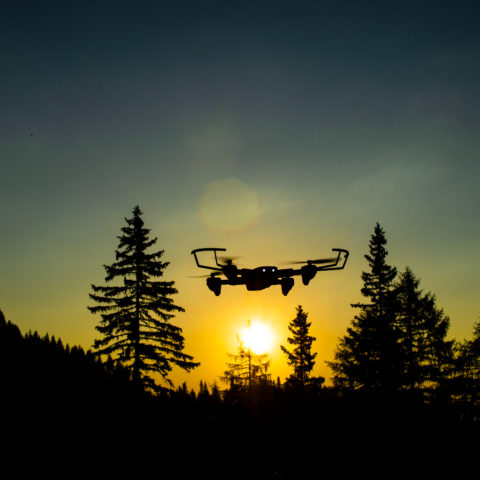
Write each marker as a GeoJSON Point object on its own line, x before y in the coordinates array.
{"type": "Point", "coordinates": [398, 340]}
{"type": "Point", "coordinates": [64, 412]}
{"type": "Point", "coordinates": [369, 355]}
{"type": "Point", "coordinates": [136, 313]}
{"type": "Point", "coordinates": [246, 369]}
{"type": "Point", "coordinates": [427, 355]}
{"type": "Point", "coordinates": [301, 358]}
{"type": "Point", "coordinates": [464, 385]}
{"type": "Point", "coordinates": [51, 394]}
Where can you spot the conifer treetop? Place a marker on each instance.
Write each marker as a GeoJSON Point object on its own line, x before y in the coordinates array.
{"type": "Point", "coordinates": [300, 358]}
{"type": "Point", "coordinates": [137, 311]}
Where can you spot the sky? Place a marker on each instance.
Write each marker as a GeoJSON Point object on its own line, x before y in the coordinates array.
{"type": "Point", "coordinates": [275, 129]}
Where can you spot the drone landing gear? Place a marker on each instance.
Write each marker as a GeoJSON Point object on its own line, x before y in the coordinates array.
{"type": "Point", "coordinates": [215, 285]}
{"type": "Point", "coordinates": [287, 284]}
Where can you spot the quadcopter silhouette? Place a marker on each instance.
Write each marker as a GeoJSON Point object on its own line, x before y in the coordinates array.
{"type": "Point", "coordinates": [263, 277]}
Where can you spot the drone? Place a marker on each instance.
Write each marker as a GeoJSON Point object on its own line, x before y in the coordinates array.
{"type": "Point", "coordinates": [263, 277]}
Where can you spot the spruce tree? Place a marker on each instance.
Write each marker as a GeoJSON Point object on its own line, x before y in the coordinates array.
{"type": "Point", "coordinates": [301, 357]}
{"type": "Point", "coordinates": [471, 353]}
{"type": "Point", "coordinates": [216, 398]}
{"type": "Point", "coordinates": [137, 310]}
{"type": "Point", "coordinates": [246, 369]}
{"type": "Point", "coordinates": [466, 381]}
{"type": "Point", "coordinates": [368, 356]}
{"type": "Point", "coordinates": [203, 392]}
{"type": "Point", "coordinates": [423, 327]}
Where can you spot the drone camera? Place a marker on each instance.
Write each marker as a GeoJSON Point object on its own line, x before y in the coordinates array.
{"type": "Point", "coordinates": [215, 285]}
{"type": "Point", "coordinates": [308, 272]}
{"type": "Point", "coordinates": [287, 284]}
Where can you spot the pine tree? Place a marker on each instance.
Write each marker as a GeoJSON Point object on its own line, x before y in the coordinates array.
{"type": "Point", "coordinates": [137, 311]}
{"type": "Point", "coordinates": [301, 358]}
{"type": "Point", "coordinates": [466, 382]}
{"type": "Point", "coordinates": [246, 369]}
{"type": "Point", "coordinates": [216, 399]}
{"type": "Point", "coordinates": [423, 327]}
{"type": "Point", "coordinates": [368, 356]}
{"type": "Point", "coordinates": [471, 353]}
{"type": "Point", "coordinates": [203, 392]}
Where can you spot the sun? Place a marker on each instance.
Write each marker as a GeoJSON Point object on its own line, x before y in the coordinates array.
{"type": "Point", "coordinates": [257, 337]}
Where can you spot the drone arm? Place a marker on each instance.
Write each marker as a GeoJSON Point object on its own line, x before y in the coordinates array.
{"type": "Point", "coordinates": [288, 272]}
{"type": "Point", "coordinates": [215, 253]}
{"type": "Point", "coordinates": [336, 265]}
{"type": "Point", "coordinates": [214, 250]}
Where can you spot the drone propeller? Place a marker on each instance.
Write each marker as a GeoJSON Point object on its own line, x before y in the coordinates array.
{"type": "Point", "coordinates": [213, 274]}
{"type": "Point", "coordinates": [310, 262]}
{"type": "Point", "coordinates": [228, 260]}
{"type": "Point", "coordinates": [322, 260]}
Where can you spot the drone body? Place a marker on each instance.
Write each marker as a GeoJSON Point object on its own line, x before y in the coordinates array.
{"type": "Point", "coordinates": [263, 277]}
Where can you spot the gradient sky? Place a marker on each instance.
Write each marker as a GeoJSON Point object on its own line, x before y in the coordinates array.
{"type": "Point", "coordinates": [278, 130]}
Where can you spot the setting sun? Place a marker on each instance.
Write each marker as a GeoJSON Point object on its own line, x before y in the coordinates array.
{"type": "Point", "coordinates": [258, 337]}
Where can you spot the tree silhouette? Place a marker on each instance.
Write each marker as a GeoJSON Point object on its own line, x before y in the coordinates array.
{"type": "Point", "coordinates": [466, 382]}
{"type": "Point", "coordinates": [246, 369]}
{"type": "Point", "coordinates": [137, 312]}
{"type": "Point", "coordinates": [203, 392]}
{"type": "Point", "coordinates": [368, 356]}
{"type": "Point", "coordinates": [426, 354]}
{"type": "Point", "coordinates": [301, 358]}
{"type": "Point", "coordinates": [471, 354]}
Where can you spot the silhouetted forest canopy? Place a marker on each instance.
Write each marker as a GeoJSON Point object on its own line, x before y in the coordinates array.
{"type": "Point", "coordinates": [402, 392]}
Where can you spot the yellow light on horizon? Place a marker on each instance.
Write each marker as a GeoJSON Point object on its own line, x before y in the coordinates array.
{"type": "Point", "coordinates": [257, 337]}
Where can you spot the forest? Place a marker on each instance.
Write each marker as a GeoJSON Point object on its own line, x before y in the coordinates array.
{"type": "Point", "coordinates": [404, 397]}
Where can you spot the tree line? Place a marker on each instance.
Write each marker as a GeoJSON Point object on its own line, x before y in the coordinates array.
{"type": "Point", "coordinates": [396, 342]}
{"type": "Point", "coordinates": [395, 366]}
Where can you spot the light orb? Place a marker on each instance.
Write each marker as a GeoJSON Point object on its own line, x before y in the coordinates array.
{"type": "Point", "coordinates": [257, 337]}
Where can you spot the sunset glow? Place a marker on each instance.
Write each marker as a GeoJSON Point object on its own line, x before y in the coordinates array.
{"type": "Point", "coordinates": [258, 337]}
{"type": "Point", "coordinates": [277, 131]}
